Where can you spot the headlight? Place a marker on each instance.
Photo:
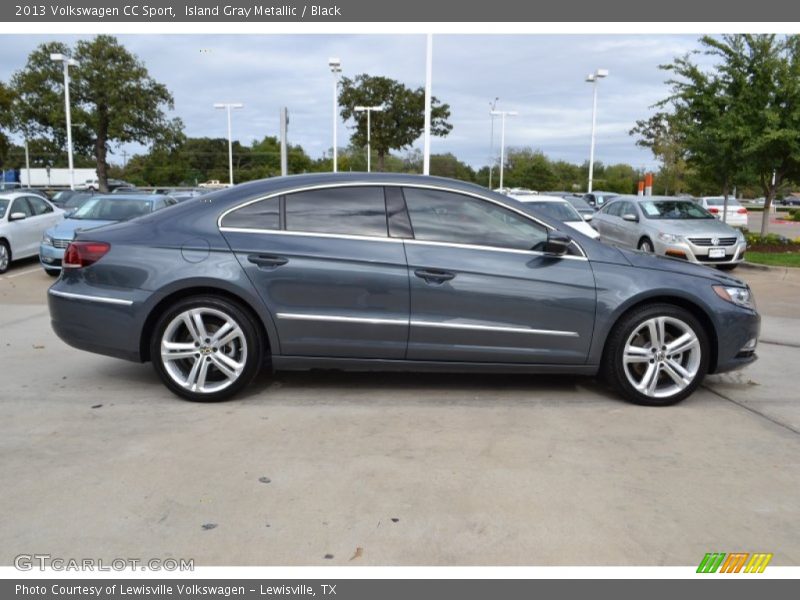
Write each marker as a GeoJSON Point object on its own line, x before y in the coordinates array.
{"type": "Point", "coordinates": [670, 238]}
{"type": "Point", "coordinates": [47, 240]}
{"type": "Point", "coordinates": [736, 295]}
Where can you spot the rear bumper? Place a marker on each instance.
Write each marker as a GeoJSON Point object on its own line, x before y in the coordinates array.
{"type": "Point", "coordinates": [103, 324]}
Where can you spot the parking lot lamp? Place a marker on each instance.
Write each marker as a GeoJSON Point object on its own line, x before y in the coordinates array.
{"type": "Point", "coordinates": [229, 106]}
{"type": "Point", "coordinates": [593, 78]}
{"type": "Point", "coordinates": [369, 110]}
{"type": "Point", "coordinates": [503, 114]}
{"type": "Point", "coordinates": [336, 68]}
{"type": "Point", "coordinates": [67, 62]}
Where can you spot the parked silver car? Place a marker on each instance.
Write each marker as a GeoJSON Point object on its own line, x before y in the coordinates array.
{"type": "Point", "coordinates": [672, 227]}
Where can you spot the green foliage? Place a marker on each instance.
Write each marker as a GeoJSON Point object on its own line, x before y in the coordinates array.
{"type": "Point", "coordinates": [661, 135]}
{"type": "Point", "coordinates": [400, 123]}
{"type": "Point", "coordinates": [114, 100]}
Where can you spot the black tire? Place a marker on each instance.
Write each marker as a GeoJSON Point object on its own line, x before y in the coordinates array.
{"type": "Point", "coordinates": [730, 267]}
{"type": "Point", "coordinates": [645, 245]}
{"type": "Point", "coordinates": [53, 272]}
{"type": "Point", "coordinates": [6, 251]}
{"type": "Point", "coordinates": [612, 367]}
{"type": "Point", "coordinates": [254, 346]}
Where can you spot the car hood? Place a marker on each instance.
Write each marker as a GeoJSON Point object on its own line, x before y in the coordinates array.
{"type": "Point", "coordinates": [656, 262]}
{"type": "Point", "coordinates": [697, 227]}
{"type": "Point", "coordinates": [67, 229]}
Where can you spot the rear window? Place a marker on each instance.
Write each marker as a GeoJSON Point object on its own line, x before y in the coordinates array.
{"type": "Point", "coordinates": [721, 202]}
{"type": "Point", "coordinates": [264, 214]}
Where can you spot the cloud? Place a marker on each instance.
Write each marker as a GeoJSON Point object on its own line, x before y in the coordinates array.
{"type": "Point", "coordinates": [541, 76]}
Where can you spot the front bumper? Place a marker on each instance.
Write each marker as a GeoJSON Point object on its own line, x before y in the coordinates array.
{"type": "Point", "coordinates": [51, 257]}
{"type": "Point", "coordinates": [737, 338]}
{"type": "Point", "coordinates": [691, 252]}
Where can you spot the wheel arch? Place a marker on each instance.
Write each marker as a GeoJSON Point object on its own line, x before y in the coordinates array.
{"type": "Point", "coordinates": [270, 341]}
{"type": "Point", "coordinates": [696, 309]}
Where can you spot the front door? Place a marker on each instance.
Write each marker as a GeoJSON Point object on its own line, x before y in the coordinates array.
{"type": "Point", "coordinates": [482, 290]}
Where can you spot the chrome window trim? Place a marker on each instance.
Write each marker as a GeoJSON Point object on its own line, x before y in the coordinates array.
{"type": "Point", "coordinates": [101, 299]}
{"type": "Point", "coordinates": [386, 238]}
{"type": "Point", "coordinates": [423, 323]}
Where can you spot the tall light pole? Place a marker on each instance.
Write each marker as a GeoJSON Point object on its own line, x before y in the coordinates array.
{"type": "Point", "coordinates": [593, 78]}
{"type": "Point", "coordinates": [503, 114]}
{"type": "Point", "coordinates": [426, 152]}
{"type": "Point", "coordinates": [336, 68]}
{"type": "Point", "coordinates": [492, 107]}
{"type": "Point", "coordinates": [229, 106]}
{"type": "Point", "coordinates": [67, 62]}
{"type": "Point", "coordinates": [369, 110]}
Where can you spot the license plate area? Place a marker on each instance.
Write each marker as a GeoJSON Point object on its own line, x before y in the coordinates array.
{"type": "Point", "coordinates": [716, 253]}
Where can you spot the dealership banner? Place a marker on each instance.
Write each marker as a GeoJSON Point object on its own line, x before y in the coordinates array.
{"type": "Point", "coordinates": [397, 589]}
{"type": "Point", "coordinates": [47, 11]}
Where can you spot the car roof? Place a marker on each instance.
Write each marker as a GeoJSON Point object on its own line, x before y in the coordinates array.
{"type": "Point", "coordinates": [17, 194]}
{"type": "Point", "coordinates": [147, 197]}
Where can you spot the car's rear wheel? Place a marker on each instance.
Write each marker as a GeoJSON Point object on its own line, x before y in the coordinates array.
{"type": "Point", "coordinates": [646, 245]}
{"type": "Point", "coordinates": [656, 355]}
{"type": "Point", "coordinates": [206, 348]}
{"type": "Point", "coordinates": [5, 256]}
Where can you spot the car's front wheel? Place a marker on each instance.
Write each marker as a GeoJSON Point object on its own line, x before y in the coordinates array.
{"type": "Point", "coordinates": [206, 348]}
{"type": "Point", "coordinates": [646, 245]}
{"type": "Point", "coordinates": [656, 355]}
{"type": "Point", "coordinates": [5, 256]}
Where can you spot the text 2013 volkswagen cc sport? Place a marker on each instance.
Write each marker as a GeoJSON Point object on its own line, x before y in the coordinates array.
{"type": "Point", "coordinates": [391, 272]}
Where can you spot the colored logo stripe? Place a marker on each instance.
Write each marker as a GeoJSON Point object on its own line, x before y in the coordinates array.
{"type": "Point", "coordinates": [758, 563]}
{"type": "Point", "coordinates": [734, 563]}
{"type": "Point", "coordinates": [711, 562]}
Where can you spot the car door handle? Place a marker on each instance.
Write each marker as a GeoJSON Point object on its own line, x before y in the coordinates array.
{"type": "Point", "coordinates": [267, 260]}
{"type": "Point", "coordinates": [434, 275]}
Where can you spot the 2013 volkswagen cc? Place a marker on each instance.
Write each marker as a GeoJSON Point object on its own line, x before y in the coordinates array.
{"type": "Point", "coordinates": [391, 272]}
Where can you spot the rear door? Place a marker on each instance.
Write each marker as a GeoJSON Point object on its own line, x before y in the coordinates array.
{"type": "Point", "coordinates": [324, 264]}
{"type": "Point", "coordinates": [481, 292]}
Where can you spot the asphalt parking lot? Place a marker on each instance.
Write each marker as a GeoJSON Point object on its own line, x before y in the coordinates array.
{"type": "Point", "coordinates": [99, 460]}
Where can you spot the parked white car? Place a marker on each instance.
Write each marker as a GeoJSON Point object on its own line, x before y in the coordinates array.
{"type": "Point", "coordinates": [736, 215]}
{"type": "Point", "coordinates": [24, 218]}
{"type": "Point", "coordinates": [559, 209]}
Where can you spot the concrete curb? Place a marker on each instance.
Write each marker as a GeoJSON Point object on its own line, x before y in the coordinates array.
{"type": "Point", "coordinates": [758, 267]}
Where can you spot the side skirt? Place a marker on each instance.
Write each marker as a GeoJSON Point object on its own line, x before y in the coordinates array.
{"type": "Point", "coordinates": [305, 363]}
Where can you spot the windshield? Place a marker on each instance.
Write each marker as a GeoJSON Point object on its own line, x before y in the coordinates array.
{"type": "Point", "coordinates": [3, 207]}
{"type": "Point", "coordinates": [674, 209]}
{"type": "Point", "coordinates": [112, 209]}
{"type": "Point", "coordinates": [721, 202]}
{"type": "Point", "coordinates": [561, 211]}
{"type": "Point", "coordinates": [580, 203]}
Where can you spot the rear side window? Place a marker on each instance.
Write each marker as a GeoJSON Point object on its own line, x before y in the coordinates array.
{"type": "Point", "coordinates": [613, 209]}
{"type": "Point", "coordinates": [344, 210]}
{"type": "Point", "coordinates": [39, 206]}
{"type": "Point", "coordinates": [264, 214]}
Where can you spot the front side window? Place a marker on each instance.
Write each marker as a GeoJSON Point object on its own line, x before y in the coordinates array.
{"type": "Point", "coordinates": [613, 209]}
{"type": "Point", "coordinates": [20, 205]}
{"type": "Point", "coordinates": [39, 206]}
{"type": "Point", "coordinates": [344, 210]}
{"type": "Point", "coordinates": [449, 217]}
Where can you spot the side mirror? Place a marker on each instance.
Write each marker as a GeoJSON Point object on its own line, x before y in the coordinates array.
{"type": "Point", "coordinates": [557, 243]}
{"type": "Point", "coordinates": [588, 218]}
{"type": "Point", "coordinates": [631, 218]}
{"type": "Point", "coordinates": [17, 216]}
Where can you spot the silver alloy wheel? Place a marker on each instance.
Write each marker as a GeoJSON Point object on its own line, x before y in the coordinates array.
{"type": "Point", "coordinates": [662, 357]}
{"type": "Point", "coordinates": [3, 257]}
{"type": "Point", "coordinates": [646, 246]}
{"type": "Point", "coordinates": [204, 350]}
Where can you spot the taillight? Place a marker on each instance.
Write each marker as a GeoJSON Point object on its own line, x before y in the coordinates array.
{"type": "Point", "coordinates": [83, 254]}
{"type": "Point", "coordinates": [713, 210]}
{"type": "Point", "coordinates": [742, 211]}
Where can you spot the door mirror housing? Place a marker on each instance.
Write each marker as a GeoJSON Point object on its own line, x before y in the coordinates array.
{"type": "Point", "coordinates": [17, 216]}
{"type": "Point", "coordinates": [557, 243]}
{"type": "Point", "coordinates": [630, 217]}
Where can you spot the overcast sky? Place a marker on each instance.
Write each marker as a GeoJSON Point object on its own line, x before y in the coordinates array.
{"type": "Point", "coordinates": [541, 76]}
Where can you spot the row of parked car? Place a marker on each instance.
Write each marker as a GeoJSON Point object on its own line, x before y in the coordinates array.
{"type": "Point", "coordinates": [32, 223]}
{"type": "Point", "coordinates": [703, 230]}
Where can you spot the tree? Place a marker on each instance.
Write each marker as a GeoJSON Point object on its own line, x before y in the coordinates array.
{"type": "Point", "coordinates": [742, 116]}
{"type": "Point", "coordinates": [114, 100]}
{"type": "Point", "coordinates": [6, 102]}
{"type": "Point", "coordinates": [661, 135]}
{"type": "Point", "coordinates": [400, 123]}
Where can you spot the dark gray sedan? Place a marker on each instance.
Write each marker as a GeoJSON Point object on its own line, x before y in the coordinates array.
{"type": "Point", "coordinates": [391, 272]}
